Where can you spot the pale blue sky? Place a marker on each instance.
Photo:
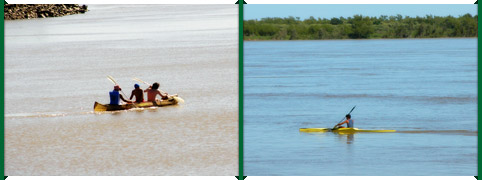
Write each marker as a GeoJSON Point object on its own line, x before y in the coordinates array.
{"type": "Point", "coordinates": [258, 11]}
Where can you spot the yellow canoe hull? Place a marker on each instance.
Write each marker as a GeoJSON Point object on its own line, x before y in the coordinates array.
{"type": "Point", "coordinates": [173, 100]}
{"type": "Point", "coordinates": [343, 130]}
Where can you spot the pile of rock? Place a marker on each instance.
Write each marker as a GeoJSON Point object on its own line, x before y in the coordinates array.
{"type": "Point", "coordinates": [27, 11]}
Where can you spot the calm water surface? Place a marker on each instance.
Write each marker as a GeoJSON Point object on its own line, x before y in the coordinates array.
{"type": "Point", "coordinates": [56, 68]}
{"type": "Point", "coordinates": [426, 89]}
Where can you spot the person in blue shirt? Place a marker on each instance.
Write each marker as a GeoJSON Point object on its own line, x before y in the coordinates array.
{"type": "Point", "coordinates": [349, 122]}
{"type": "Point", "coordinates": [115, 96]}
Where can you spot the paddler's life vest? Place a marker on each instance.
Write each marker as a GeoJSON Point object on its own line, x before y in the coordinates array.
{"type": "Point", "coordinates": [350, 123]}
{"type": "Point", "coordinates": [114, 97]}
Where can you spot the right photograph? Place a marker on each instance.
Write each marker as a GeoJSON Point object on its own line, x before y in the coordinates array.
{"type": "Point", "coordinates": [360, 90]}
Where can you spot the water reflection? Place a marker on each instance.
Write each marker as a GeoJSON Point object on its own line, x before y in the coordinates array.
{"type": "Point", "coordinates": [350, 137]}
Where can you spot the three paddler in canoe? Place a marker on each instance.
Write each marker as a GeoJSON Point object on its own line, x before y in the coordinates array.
{"type": "Point", "coordinates": [138, 93]}
{"type": "Point", "coordinates": [349, 129]}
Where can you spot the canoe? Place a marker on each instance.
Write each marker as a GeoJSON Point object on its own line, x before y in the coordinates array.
{"type": "Point", "coordinates": [344, 130]}
{"type": "Point", "coordinates": [172, 100]}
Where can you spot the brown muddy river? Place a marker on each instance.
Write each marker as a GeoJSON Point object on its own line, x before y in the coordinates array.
{"type": "Point", "coordinates": [56, 68]}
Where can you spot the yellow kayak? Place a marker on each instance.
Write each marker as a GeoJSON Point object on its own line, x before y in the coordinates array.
{"type": "Point", "coordinates": [343, 130]}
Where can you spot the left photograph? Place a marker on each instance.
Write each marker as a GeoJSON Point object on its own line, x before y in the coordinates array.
{"type": "Point", "coordinates": [119, 90]}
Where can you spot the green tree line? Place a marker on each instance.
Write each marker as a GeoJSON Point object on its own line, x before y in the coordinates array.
{"type": "Point", "coordinates": [360, 27]}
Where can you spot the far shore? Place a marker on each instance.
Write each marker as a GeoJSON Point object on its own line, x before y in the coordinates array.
{"type": "Point", "coordinates": [361, 27]}
{"type": "Point", "coordinates": [357, 39]}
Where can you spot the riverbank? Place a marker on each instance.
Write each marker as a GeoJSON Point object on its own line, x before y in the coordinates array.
{"type": "Point", "coordinates": [29, 11]}
{"type": "Point", "coordinates": [360, 27]}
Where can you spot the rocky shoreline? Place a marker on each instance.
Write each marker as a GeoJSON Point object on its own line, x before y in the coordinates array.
{"type": "Point", "coordinates": [28, 11]}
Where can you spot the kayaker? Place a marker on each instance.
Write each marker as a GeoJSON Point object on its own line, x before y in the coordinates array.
{"type": "Point", "coordinates": [349, 122]}
{"type": "Point", "coordinates": [115, 96]}
{"type": "Point", "coordinates": [138, 93]}
{"type": "Point", "coordinates": [153, 91]}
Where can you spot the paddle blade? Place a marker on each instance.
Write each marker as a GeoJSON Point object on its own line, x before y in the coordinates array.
{"type": "Point", "coordinates": [141, 81]}
{"type": "Point", "coordinates": [352, 109]}
{"type": "Point", "coordinates": [111, 79]}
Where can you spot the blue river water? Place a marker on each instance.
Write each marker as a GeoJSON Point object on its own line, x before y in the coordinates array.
{"type": "Point", "coordinates": [426, 89]}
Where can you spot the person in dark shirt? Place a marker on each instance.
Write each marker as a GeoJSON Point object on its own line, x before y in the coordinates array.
{"type": "Point", "coordinates": [138, 93]}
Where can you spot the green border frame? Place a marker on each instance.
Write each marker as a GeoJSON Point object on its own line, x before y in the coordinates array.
{"type": "Point", "coordinates": [241, 92]}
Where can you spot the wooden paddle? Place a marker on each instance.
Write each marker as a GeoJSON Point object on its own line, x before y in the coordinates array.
{"type": "Point", "coordinates": [115, 83]}
{"type": "Point", "coordinates": [141, 81]}
{"type": "Point", "coordinates": [344, 117]}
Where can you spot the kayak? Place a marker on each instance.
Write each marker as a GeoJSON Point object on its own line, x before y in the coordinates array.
{"type": "Point", "coordinates": [343, 130]}
{"type": "Point", "coordinates": [172, 100]}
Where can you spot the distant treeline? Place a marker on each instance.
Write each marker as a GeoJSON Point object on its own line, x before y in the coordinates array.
{"type": "Point", "coordinates": [360, 27]}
